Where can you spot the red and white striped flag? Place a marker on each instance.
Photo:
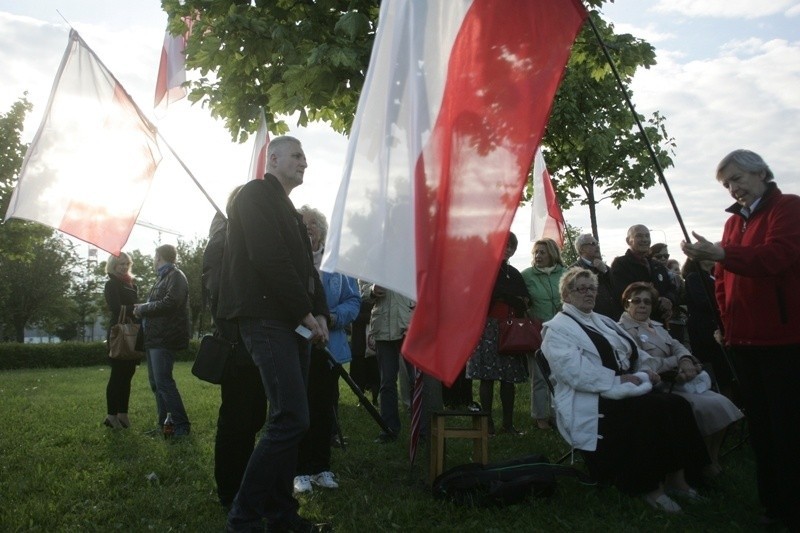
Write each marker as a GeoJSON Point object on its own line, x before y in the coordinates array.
{"type": "Point", "coordinates": [90, 165]}
{"type": "Point", "coordinates": [258, 162]}
{"type": "Point", "coordinates": [454, 105]}
{"type": "Point", "coordinates": [547, 221]}
{"type": "Point", "coordinates": [172, 68]}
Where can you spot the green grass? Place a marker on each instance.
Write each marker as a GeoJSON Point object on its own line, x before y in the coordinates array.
{"type": "Point", "coordinates": [60, 470]}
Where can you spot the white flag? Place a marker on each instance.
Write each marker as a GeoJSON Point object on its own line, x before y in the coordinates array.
{"type": "Point", "coordinates": [546, 218]}
{"type": "Point", "coordinates": [90, 165]}
{"type": "Point", "coordinates": [258, 162]}
{"type": "Point", "coordinates": [172, 68]}
{"type": "Point", "coordinates": [454, 103]}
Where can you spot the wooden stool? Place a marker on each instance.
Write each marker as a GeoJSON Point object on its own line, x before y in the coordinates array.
{"type": "Point", "coordinates": [440, 432]}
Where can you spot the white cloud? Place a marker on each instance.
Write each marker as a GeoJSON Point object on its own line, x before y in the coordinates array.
{"type": "Point", "coordinates": [726, 8]}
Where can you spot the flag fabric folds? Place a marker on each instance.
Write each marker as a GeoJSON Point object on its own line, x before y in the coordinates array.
{"type": "Point", "coordinates": [89, 168]}
{"type": "Point", "coordinates": [547, 221]}
{"type": "Point", "coordinates": [454, 105]}
{"type": "Point", "coordinates": [172, 68]}
{"type": "Point", "coordinates": [258, 162]}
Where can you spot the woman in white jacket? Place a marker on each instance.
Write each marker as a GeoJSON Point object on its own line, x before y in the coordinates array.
{"type": "Point", "coordinates": [639, 441]}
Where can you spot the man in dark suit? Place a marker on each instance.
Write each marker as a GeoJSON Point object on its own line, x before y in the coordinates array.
{"type": "Point", "coordinates": [590, 258]}
{"type": "Point", "coordinates": [269, 285]}
{"type": "Point", "coordinates": [636, 265]}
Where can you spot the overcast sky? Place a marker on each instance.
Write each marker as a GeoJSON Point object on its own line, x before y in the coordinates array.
{"type": "Point", "coordinates": [728, 76]}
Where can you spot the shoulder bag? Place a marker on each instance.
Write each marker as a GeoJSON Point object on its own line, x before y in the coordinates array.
{"type": "Point", "coordinates": [122, 338]}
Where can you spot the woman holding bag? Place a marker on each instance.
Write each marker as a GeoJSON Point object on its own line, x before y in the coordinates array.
{"type": "Point", "coordinates": [120, 290]}
{"type": "Point", "coordinates": [509, 297]}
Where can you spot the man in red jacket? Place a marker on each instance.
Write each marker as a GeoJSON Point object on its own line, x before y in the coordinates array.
{"type": "Point", "coordinates": [757, 288]}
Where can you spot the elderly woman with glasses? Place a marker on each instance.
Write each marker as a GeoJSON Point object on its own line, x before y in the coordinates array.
{"type": "Point", "coordinates": [639, 441]}
{"type": "Point", "coordinates": [713, 412]}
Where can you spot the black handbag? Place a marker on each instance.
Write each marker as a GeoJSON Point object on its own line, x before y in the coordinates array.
{"type": "Point", "coordinates": [209, 363]}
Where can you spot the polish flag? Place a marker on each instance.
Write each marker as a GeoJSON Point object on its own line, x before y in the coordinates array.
{"type": "Point", "coordinates": [258, 162]}
{"type": "Point", "coordinates": [546, 218]}
{"type": "Point", "coordinates": [90, 165]}
{"type": "Point", "coordinates": [172, 68]}
{"type": "Point", "coordinates": [454, 104]}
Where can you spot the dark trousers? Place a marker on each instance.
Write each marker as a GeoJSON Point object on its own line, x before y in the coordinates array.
{"type": "Point", "coordinates": [363, 369]}
{"type": "Point", "coordinates": [282, 358]}
{"type": "Point", "coordinates": [241, 415]}
{"type": "Point", "coordinates": [389, 359]}
{"type": "Point", "coordinates": [118, 390]}
{"type": "Point", "coordinates": [160, 362]}
{"type": "Point", "coordinates": [459, 394]}
{"type": "Point", "coordinates": [315, 448]}
{"type": "Point", "coordinates": [644, 438]}
{"type": "Point", "coordinates": [768, 377]}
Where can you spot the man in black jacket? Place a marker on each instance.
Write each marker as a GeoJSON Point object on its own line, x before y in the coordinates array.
{"type": "Point", "coordinates": [167, 326]}
{"type": "Point", "coordinates": [590, 258]}
{"type": "Point", "coordinates": [269, 285]}
{"type": "Point", "coordinates": [636, 265]}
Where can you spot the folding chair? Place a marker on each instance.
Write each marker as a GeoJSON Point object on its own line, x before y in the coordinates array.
{"type": "Point", "coordinates": [544, 368]}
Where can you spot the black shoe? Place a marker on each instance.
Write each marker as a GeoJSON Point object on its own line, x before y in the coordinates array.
{"type": "Point", "coordinates": [298, 524]}
{"type": "Point", "coordinates": [385, 438]}
{"type": "Point", "coordinates": [474, 407]}
{"type": "Point", "coordinates": [337, 443]}
{"type": "Point", "coordinates": [511, 430]}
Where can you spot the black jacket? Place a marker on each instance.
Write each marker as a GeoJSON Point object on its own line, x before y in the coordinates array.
{"type": "Point", "coordinates": [267, 266]}
{"type": "Point", "coordinates": [607, 302]}
{"type": "Point", "coordinates": [626, 269]}
{"type": "Point", "coordinates": [118, 294]}
{"type": "Point", "coordinates": [167, 322]}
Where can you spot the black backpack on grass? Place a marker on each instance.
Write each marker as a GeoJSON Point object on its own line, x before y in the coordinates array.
{"type": "Point", "coordinates": [505, 483]}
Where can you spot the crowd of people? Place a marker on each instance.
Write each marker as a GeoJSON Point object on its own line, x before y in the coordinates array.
{"type": "Point", "coordinates": [651, 361]}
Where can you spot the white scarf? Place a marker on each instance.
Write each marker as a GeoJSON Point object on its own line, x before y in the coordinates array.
{"type": "Point", "coordinates": [622, 350]}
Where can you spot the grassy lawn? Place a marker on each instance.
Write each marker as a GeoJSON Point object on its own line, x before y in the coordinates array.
{"type": "Point", "coordinates": [60, 470]}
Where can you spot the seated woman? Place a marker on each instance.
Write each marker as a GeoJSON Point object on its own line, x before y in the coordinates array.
{"type": "Point", "coordinates": [713, 412]}
{"type": "Point", "coordinates": [641, 442]}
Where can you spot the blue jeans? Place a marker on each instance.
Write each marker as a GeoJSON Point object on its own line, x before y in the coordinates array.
{"type": "Point", "coordinates": [282, 358]}
{"type": "Point", "coordinates": [168, 400]}
{"type": "Point", "coordinates": [388, 354]}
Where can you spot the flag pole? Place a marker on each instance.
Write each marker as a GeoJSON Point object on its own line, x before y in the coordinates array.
{"type": "Point", "coordinates": [659, 169]}
{"type": "Point", "coordinates": [189, 172]}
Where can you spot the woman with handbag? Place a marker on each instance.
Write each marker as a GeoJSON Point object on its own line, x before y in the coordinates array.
{"type": "Point", "coordinates": [509, 298]}
{"type": "Point", "coordinates": [120, 291]}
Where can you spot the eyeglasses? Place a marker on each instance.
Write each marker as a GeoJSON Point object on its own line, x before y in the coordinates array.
{"type": "Point", "coordinates": [661, 256]}
{"type": "Point", "coordinates": [593, 243]}
{"type": "Point", "coordinates": [637, 301]}
{"type": "Point", "coordinates": [585, 289]}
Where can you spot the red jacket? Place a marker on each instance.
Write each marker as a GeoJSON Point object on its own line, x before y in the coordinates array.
{"type": "Point", "coordinates": [758, 282]}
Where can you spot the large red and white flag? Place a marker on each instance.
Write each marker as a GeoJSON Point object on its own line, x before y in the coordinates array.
{"type": "Point", "coordinates": [258, 161]}
{"type": "Point", "coordinates": [453, 107]}
{"type": "Point", "coordinates": [547, 221]}
{"type": "Point", "coordinates": [172, 68]}
{"type": "Point", "coordinates": [90, 165]}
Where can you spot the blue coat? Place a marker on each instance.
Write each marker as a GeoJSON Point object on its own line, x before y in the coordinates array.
{"type": "Point", "coordinates": [344, 302]}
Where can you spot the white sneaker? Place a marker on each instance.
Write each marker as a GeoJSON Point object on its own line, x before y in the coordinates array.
{"type": "Point", "coordinates": [325, 479]}
{"type": "Point", "coordinates": [303, 484]}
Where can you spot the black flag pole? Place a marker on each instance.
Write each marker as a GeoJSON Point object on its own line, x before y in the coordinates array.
{"type": "Point", "coordinates": [660, 171]}
{"type": "Point", "coordinates": [339, 369]}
